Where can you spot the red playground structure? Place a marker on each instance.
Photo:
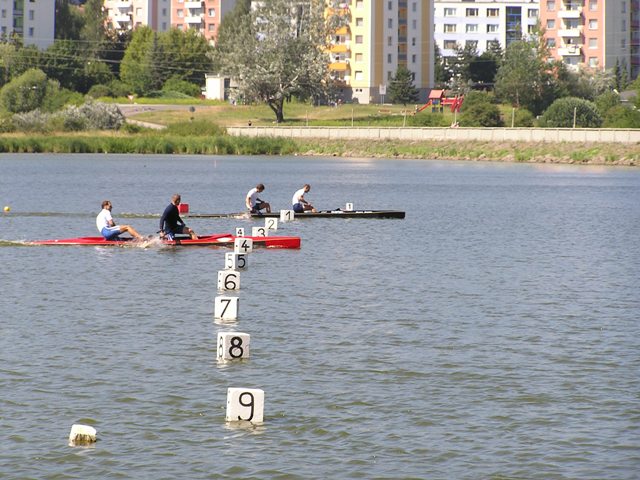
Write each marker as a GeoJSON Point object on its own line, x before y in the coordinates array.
{"type": "Point", "coordinates": [438, 101]}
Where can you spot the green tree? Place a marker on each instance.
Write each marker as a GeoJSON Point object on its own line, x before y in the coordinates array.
{"type": "Point", "coordinates": [275, 51]}
{"type": "Point", "coordinates": [402, 90]}
{"type": "Point", "coordinates": [24, 93]}
{"type": "Point", "coordinates": [440, 71]}
{"type": "Point", "coordinates": [134, 69]}
{"type": "Point", "coordinates": [187, 55]}
{"type": "Point", "coordinates": [478, 110]}
{"type": "Point", "coordinates": [606, 101]}
{"type": "Point", "coordinates": [483, 69]}
{"type": "Point", "coordinates": [69, 21]}
{"type": "Point", "coordinates": [621, 116]}
{"type": "Point", "coordinates": [563, 112]}
{"type": "Point", "coordinates": [94, 31]}
{"type": "Point", "coordinates": [523, 78]}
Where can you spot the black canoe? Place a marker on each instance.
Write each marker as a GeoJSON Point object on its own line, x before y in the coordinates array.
{"type": "Point", "coordinates": [319, 214]}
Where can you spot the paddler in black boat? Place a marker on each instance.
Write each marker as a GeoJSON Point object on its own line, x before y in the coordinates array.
{"type": "Point", "coordinates": [170, 222]}
{"type": "Point", "coordinates": [253, 203]}
{"type": "Point", "coordinates": [299, 204]}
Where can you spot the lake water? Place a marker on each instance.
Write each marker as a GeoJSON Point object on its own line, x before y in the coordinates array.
{"type": "Point", "coordinates": [492, 334]}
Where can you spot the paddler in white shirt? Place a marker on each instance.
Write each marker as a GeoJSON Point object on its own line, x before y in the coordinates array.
{"type": "Point", "coordinates": [107, 226]}
{"type": "Point", "coordinates": [299, 204]}
{"type": "Point", "coordinates": [253, 203]}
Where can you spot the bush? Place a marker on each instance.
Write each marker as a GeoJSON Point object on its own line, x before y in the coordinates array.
{"type": "Point", "coordinates": [622, 117]}
{"type": "Point", "coordinates": [428, 120]}
{"type": "Point", "coordinates": [98, 91]}
{"type": "Point", "coordinates": [57, 98]}
{"type": "Point", "coordinates": [195, 128]}
{"type": "Point", "coordinates": [560, 114]}
{"type": "Point", "coordinates": [521, 118]}
{"type": "Point", "coordinates": [32, 121]}
{"type": "Point", "coordinates": [119, 88]}
{"type": "Point", "coordinates": [175, 84]}
{"type": "Point", "coordinates": [24, 93]}
{"type": "Point", "coordinates": [607, 101]}
{"type": "Point", "coordinates": [478, 110]}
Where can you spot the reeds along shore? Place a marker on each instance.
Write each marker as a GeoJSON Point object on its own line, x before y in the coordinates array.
{"type": "Point", "coordinates": [529, 152]}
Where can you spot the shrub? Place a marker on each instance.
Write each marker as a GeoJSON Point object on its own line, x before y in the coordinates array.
{"type": "Point", "coordinates": [195, 128]}
{"type": "Point", "coordinates": [98, 91]}
{"type": "Point", "coordinates": [606, 101]}
{"type": "Point", "coordinates": [24, 93]}
{"type": "Point", "coordinates": [428, 120]}
{"type": "Point", "coordinates": [57, 98]}
{"type": "Point", "coordinates": [176, 84]}
{"type": "Point", "coordinates": [622, 117]}
{"type": "Point", "coordinates": [561, 114]}
{"type": "Point", "coordinates": [119, 88]}
{"type": "Point", "coordinates": [32, 121]}
{"type": "Point", "coordinates": [478, 110]}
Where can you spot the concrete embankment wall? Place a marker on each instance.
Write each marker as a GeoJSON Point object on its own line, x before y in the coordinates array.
{"type": "Point", "coordinates": [601, 135]}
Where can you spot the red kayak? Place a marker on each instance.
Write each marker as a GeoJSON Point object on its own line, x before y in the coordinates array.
{"type": "Point", "coordinates": [221, 240]}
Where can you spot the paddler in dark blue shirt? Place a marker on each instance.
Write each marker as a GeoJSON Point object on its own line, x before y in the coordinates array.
{"type": "Point", "coordinates": [171, 223]}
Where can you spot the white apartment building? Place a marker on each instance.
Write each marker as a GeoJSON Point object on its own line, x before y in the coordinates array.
{"type": "Point", "coordinates": [32, 20]}
{"type": "Point", "coordinates": [123, 15]}
{"type": "Point", "coordinates": [479, 22]}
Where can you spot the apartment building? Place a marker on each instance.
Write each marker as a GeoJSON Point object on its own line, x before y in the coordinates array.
{"type": "Point", "coordinates": [32, 20]}
{"type": "Point", "coordinates": [635, 38]}
{"type": "Point", "coordinates": [595, 33]}
{"type": "Point", "coordinates": [381, 36]}
{"type": "Point", "coordinates": [203, 15]}
{"type": "Point", "coordinates": [461, 23]}
{"type": "Point", "coordinates": [123, 15]}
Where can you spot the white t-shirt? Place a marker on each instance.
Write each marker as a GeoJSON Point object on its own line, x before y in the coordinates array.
{"type": "Point", "coordinates": [296, 196]}
{"type": "Point", "coordinates": [252, 195]}
{"type": "Point", "coordinates": [103, 219]}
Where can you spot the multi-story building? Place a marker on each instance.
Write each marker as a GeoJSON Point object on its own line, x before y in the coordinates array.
{"type": "Point", "coordinates": [202, 15]}
{"type": "Point", "coordinates": [123, 15]}
{"type": "Point", "coordinates": [635, 38]}
{"type": "Point", "coordinates": [381, 36]}
{"type": "Point", "coordinates": [31, 20]}
{"type": "Point", "coordinates": [464, 23]}
{"type": "Point", "coordinates": [596, 33]}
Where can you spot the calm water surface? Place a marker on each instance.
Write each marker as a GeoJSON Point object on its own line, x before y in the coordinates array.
{"type": "Point", "coordinates": [493, 333]}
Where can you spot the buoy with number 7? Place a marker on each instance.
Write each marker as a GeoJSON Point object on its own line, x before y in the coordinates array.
{"type": "Point", "coordinates": [226, 308]}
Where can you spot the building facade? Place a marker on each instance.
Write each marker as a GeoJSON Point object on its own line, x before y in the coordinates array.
{"type": "Point", "coordinates": [381, 36]}
{"type": "Point", "coordinates": [461, 23]}
{"type": "Point", "coordinates": [203, 15]}
{"type": "Point", "coordinates": [594, 33]}
{"type": "Point", "coordinates": [635, 38]}
{"type": "Point", "coordinates": [31, 20]}
{"type": "Point", "coordinates": [124, 15]}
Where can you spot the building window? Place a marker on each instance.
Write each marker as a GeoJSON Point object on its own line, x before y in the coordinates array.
{"type": "Point", "coordinates": [490, 43]}
{"type": "Point", "coordinates": [493, 12]}
{"type": "Point", "coordinates": [358, 75]}
{"type": "Point", "coordinates": [551, 24]}
{"type": "Point", "coordinates": [413, 41]}
{"type": "Point", "coordinates": [138, 12]}
{"type": "Point", "coordinates": [389, 5]}
{"type": "Point", "coordinates": [623, 43]}
{"type": "Point", "coordinates": [532, 13]}
{"type": "Point", "coordinates": [551, 42]}
{"type": "Point", "coordinates": [31, 31]}
{"type": "Point", "coordinates": [358, 57]}
{"type": "Point", "coordinates": [414, 24]}
{"type": "Point", "coordinates": [180, 13]}
{"type": "Point", "coordinates": [593, 43]}
{"type": "Point", "coordinates": [551, 6]}
{"type": "Point", "coordinates": [212, 12]}
{"type": "Point", "coordinates": [389, 75]}
{"type": "Point", "coordinates": [413, 58]}
{"type": "Point", "coordinates": [359, 39]}
{"type": "Point", "coordinates": [4, 13]}
{"type": "Point", "coordinates": [449, 28]}
{"type": "Point", "coordinates": [471, 28]}
{"type": "Point", "coordinates": [359, 22]}
{"type": "Point", "coordinates": [449, 12]}
{"type": "Point", "coordinates": [531, 29]}
{"type": "Point", "coordinates": [593, 24]}
{"type": "Point", "coordinates": [389, 58]}
{"type": "Point", "coordinates": [593, 5]}
{"type": "Point", "coordinates": [212, 27]}
{"type": "Point", "coordinates": [492, 28]}
{"type": "Point", "coordinates": [164, 26]}
{"type": "Point", "coordinates": [390, 23]}
{"type": "Point", "coordinates": [471, 44]}
{"type": "Point", "coordinates": [450, 44]}
{"type": "Point", "coordinates": [624, 7]}
{"type": "Point", "coordinates": [593, 62]}
{"type": "Point", "coordinates": [414, 7]}
{"type": "Point", "coordinates": [624, 25]}
{"type": "Point", "coordinates": [472, 12]}
{"type": "Point", "coordinates": [164, 12]}
{"type": "Point", "coordinates": [389, 41]}
{"type": "Point", "coordinates": [32, 15]}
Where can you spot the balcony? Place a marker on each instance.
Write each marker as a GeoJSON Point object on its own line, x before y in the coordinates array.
{"type": "Point", "coordinates": [570, 51]}
{"type": "Point", "coordinates": [570, 13]}
{"type": "Point", "coordinates": [570, 32]}
{"type": "Point", "coordinates": [192, 4]}
{"type": "Point", "coordinates": [339, 48]}
{"type": "Point", "coordinates": [121, 18]}
{"type": "Point", "coordinates": [124, 6]}
{"type": "Point", "coordinates": [339, 66]}
{"type": "Point", "coordinates": [193, 20]}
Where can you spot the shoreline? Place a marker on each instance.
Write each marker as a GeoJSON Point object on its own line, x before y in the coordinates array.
{"type": "Point", "coordinates": [574, 153]}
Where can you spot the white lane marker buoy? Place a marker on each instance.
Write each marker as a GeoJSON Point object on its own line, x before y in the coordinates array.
{"type": "Point", "coordinates": [245, 404]}
{"type": "Point", "coordinates": [228, 280]}
{"type": "Point", "coordinates": [233, 346]}
{"type": "Point", "coordinates": [82, 435]}
{"type": "Point", "coordinates": [236, 261]}
{"type": "Point", "coordinates": [226, 308]}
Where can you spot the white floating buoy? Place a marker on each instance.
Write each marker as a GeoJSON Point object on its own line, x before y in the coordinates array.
{"type": "Point", "coordinates": [239, 231]}
{"type": "Point", "coordinates": [245, 404]}
{"type": "Point", "coordinates": [242, 245]}
{"type": "Point", "coordinates": [236, 261]}
{"type": "Point", "coordinates": [259, 231]}
{"type": "Point", "coordinates": [349, 207]}
{"type": "Point", "coordinates": [228, 280]}
{"type": "Point", "coordinates": [233, 346]}
{"type": "Point", "coordinates": [226, 307]}
{"type": "Point", "coordinates": [287, 215]}
{"type": "Point", "coordinates": [271, 223]}
{"type": "Point", "coordinates": [82, 435]}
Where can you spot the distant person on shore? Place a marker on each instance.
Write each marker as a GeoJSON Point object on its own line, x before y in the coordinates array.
{"type": "Point", "coordinates": [253, 203]}
{"type": "Point", "coordinates": [300, 205]}
{"type": "Point", "coordinates": [171, 224]}
{"type": "Point", "coordinates": [107, 225]}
